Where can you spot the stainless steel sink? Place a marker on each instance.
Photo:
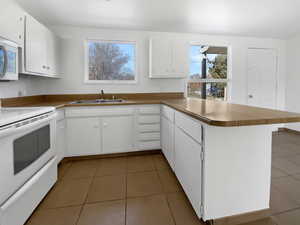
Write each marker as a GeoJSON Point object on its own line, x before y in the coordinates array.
{"type": "Point", "coordinates": [97, 101]}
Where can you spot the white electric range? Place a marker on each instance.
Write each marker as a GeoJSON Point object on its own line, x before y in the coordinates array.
{"type": "Point", "coordinates": [28, 160]}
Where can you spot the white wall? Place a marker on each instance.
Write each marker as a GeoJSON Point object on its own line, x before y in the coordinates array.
{"type": "Point", "coordinates": [73, 62]}
{"type": "Point", "coordinates": [293, 78]}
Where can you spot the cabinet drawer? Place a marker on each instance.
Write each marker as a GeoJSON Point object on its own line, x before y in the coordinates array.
{"type": "Point", "coordinates": [168, 112]}
{"type": "Point", "coordinates": [149, 136]}
{"type": "Point", "coordinates": [98, 111]}
{"type": "Point", "coordinates": [149, 119]}
{"type": "Point", "coordinates": [146, 110]}
{"type": "Point", "coordinates": [189, 125]}
{"type": "Point", "coordinates": [149, 145]}
{"type": "Point", "coordinates": [149, 128]}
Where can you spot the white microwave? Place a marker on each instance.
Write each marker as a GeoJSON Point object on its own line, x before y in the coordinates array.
{"type": "Point", "coordinates": [8, 60]}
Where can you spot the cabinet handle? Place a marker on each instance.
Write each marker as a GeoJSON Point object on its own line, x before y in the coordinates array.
{"type": "Point", "coordinates": [44, 67]}
{"type": "Point", "coordinates": [48, 67]}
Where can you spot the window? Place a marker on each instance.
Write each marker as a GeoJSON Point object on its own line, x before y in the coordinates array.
{"type": "Point", "coordinates": [110, 62]}
{"type": "Point", "coordinates": [208, 72]}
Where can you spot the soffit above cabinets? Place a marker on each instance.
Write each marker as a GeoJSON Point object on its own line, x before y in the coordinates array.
{"type": "Point", "coordinates": [260, 18]}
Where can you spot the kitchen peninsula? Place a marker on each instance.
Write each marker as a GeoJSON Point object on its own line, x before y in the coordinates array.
{"type": "Point", "coordinates": [220, 152]}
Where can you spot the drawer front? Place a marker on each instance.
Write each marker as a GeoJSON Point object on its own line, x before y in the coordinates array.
{"type": "Point", "coordinates": [189, 125]}
{"type": "Point", "coordinates": [149, 119]}
{"type": "Point", "coordinates": [149, 145]}
{"type": "Point", "coordinates": [155, 136]}
{"type": "Point", "coordinates": [168, 112]}
{"type": "Point", "coordinates": [60, 114]}
{"type": "Point", "coordinates": [149, 128]}
{"type": "Point", "coordinates": [27, 198]}
{"type": "Point", "coordinates": [146, 110]}
{"type": "Point", "coordinates": [99, 111]}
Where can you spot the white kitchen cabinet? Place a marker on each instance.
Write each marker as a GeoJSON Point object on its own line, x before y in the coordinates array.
{"type": "Point", "coordinates": [52, 54]}
{"type": "Point", "coordinates": [11, 21]}
{"type": "Point", "coordinates": [41, 49]}
{"type": "Point", "coordinates": [167, 140]}
{"type": "Point", "coordinates": [60, 140]}
{"type": "Point", "coordinates": [188, 167]}
{"type": "Point", "coordinates": [148, 127]}
{"type": "Point", "coordinates": [118, 134]}
{"type": "Point", "coordinates": [83, 136]}
{"type": "Point", "coordinates": [168, 58]}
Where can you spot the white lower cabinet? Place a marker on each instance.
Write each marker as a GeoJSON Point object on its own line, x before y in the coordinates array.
{"type": "Point", "coordinates": [60, 139]}
{"type": "Point", "coordinates": [188, 167]}
{"type": "Point", "coordinates": [167, 140]}
{"type": "Point", "coordinates": [83, 136]}
{"type": "Point", "coordinates": [118, 134]}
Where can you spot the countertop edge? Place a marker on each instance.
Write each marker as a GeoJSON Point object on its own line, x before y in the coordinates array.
{"type": "Point", "coordinates": [219, 123]}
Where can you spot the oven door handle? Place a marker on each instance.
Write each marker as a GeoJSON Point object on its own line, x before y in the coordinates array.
{"type": "Point", "coordinates": [15, 128]}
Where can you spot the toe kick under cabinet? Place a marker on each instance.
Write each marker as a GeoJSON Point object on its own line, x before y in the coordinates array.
{"type": "Point", "coordinates": [112, 129]}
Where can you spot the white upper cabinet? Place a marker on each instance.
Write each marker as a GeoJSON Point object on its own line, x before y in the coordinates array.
{"type": "Point", "coordinates": [168, 58]}
{"type": "Point", "coordinates": [41, 49]}
{"type": "Point", "coordinates": [11, 22]}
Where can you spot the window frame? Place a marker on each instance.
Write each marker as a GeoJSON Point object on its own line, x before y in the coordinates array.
{"type": "Point", "coordinates": [86, 62]}
{"type": "Point", "coordinates": [211, 80]}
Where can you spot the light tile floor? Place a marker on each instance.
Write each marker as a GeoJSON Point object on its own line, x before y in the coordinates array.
{"type": "Point", "coordinates": [142, 190]}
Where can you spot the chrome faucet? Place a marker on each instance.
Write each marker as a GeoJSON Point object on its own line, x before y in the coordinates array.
{"type": "Point", "coordinates": [102, 94]}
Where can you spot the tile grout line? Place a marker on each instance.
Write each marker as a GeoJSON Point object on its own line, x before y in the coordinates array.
{"type": "Point", "coordinates": [85, 200]}
{"type": "Point", "coordinates": [166, 197]}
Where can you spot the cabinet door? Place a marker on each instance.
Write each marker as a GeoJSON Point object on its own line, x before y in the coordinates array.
{"type": "Point", "coordinates": [11, 21]}
{"type": "Point", "coordinates": [180, 58]}
{"type": "Point", "coordinates": [188, 166]}
{"type": "Point", "coordinates": [52, 54]}
{"type": "Point", "coordinates": [160, 60]}
{"type": "Point", "coordinates": [167, 135]}
{"type": "Point", "coordinates": [84, 136]}
{"type": "Point", "coordinates": [118, 134]}
{"type": "Point", "coordinates": [35, 46]}
{"type": "Point", "coordinates": [60, 140]}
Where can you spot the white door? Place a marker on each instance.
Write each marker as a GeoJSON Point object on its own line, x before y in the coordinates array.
{"type": "Point", "coordinates": [83, 136]}
{"type": "Point", "coordinates": [167, 140]}
{"type": "Point", "coordinates": [160, 57]}
{"type": "Point", "coordinates": [118, 134]}
{"type": "Point", "coordinates": [188, 166]}
{"type": "Point", "coordinates": [180, 58]}
{"type": "Point", "coordinates": [262, 78]}
{"type": "Point", "coordinates": [11, 21]}
{"type": "Point", "coordinates": [36, 46]}
{"type": "Point", "coordinates": [52, 56]}
{"type": "Point", "coordinates": [60, 140]}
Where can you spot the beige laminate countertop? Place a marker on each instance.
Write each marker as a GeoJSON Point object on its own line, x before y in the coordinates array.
{"type": "Point", "coordinates": [214, 113]}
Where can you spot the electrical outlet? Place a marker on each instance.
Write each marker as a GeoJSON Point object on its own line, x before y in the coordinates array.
{"type": "Point", "coordinates": [20, 93]}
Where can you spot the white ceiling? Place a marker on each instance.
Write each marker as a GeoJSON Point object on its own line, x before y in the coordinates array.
{"type": "Point", "coordinates": [261, 18]}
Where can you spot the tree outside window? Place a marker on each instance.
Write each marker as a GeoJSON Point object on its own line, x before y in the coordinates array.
{"type": "Point", "coordinates": [208, 72]}
{"type": "Point", "coordinates": [111, 61]}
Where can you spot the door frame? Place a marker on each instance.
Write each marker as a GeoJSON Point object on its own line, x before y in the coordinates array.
{"type": "Point", "coordinates": [276, 73]}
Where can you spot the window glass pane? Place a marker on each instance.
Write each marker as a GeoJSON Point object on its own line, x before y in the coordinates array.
{"type": "Point", "coordinates": [208, 90]}
{"type": "Point", "coordinates": [111, 61]}
{"type": "Point", "coordinates": [1, 61]}
{"type": "Point", "coordinates": [208, 62]}
{"type": "Point", "coordinates": [12, 57]}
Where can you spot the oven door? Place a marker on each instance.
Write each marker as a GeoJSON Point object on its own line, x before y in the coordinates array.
{"type": "Point", "coordinates": [25, 149]}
